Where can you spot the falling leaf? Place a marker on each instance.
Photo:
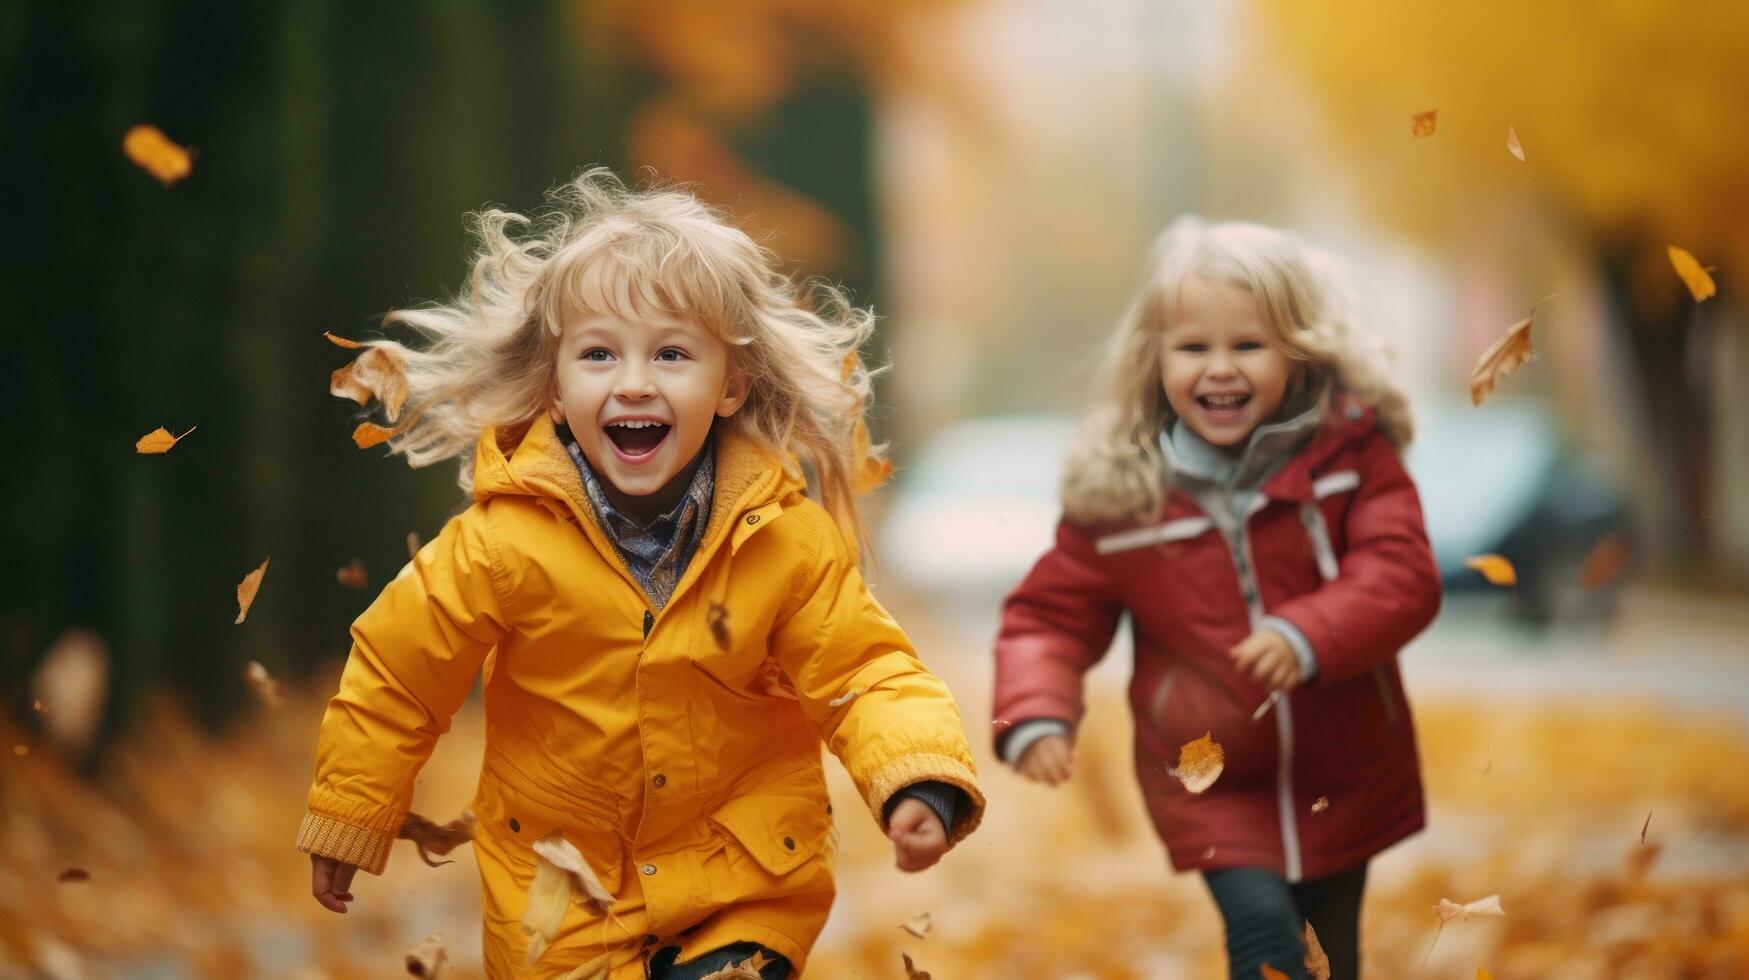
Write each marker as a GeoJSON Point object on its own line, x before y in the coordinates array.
{"type": "Point", "coordinates": [157, 154]}
{"type": "Point", "coordinates": [561, 876]}
{"type": "Point", "coordinates": [1422, 123]}
{"type": "Point", "coordinates": [262, 683]}
{"type": "Point", "coordinates": [353, 575]}
{"type": "Point", "coordinates": [425, 959]}
{"type": "Point", "coordinates": [158, 441]}
{"type": "Point", "coordinates": [247, 588]}
{"type": "Point", "coordinates": [1268, 972]}
{"type": "Point", "coordinates": [1512, 145]}
{"type": "Point", "coordinates": [340, 341]}
{"type": "Point", "coordinates": [73, 875]}
{"type": "Point", "coordinates": [1497, 570]}
{"type": "Point", "coordinates": [379, 372]}
{"type": "Point", "coordinates": [911, 971]}
{"type": "Point", "coordinates": [1643, 854]}
{"type": "Point", "coordinates": [72, 685]}
{"type": "Point", "coordinates": [1700, 283]}
{"type": "Point", "coordinates": [845, 698]}
{"type": "Point", "coordinates": [1645, 826]}
{"type": "Point", "coordinates": [1605, 562]}
{"type": "Point", "coordinates": [1502, 357]}
{"type": "Point", "coordinates": [370, 434]}
{"type": "Point", "coordinates": [717, 618]}
{"type": "Point", "coordinates": [1199, 763]}
{"type": "Point", "coordinates": [1317, 964]}
{"type": "Point", "coordinates": [918, 925]}
{"type": "Point", "coordinates": [428, 836]}
{"type": "Point", "coordinates": [1321, 804]}
{"type": "Point", "coordinates": [413, 544]}
{"type": "Point", "coordinates": [747, 969]}
{"type": "Point", "coordinates": [1448, 910]}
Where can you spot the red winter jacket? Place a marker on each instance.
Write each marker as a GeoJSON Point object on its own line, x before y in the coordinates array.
{"type": "Point", "coordinates": [1346, 736]}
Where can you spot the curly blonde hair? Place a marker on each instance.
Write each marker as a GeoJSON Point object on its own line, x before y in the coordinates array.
{"type": "Point", "coordinates": [1115, 471]}
{"type": "Point", "coordinates": [489, 355]}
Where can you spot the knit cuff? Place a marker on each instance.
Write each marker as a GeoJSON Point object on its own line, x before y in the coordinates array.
{"type": "Point", "coordinates": [943, 798]}
{"type": "Point", "coordinates": [348, 844]}
{"type": "Point", "coordinates": [908, 770]}
{"type": "Point", "coordinates": [1296, 638]}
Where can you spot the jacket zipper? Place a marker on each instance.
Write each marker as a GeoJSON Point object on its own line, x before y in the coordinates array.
{"type": "Point", "coordinates": [1246, 567]}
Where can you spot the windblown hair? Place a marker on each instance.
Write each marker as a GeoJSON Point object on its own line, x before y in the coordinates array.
{"type": "Point", "coordinates": [1115, 471]}
{"type": "Point", "coordinates": [489, 356]}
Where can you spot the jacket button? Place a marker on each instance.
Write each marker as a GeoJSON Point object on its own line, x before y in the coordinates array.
{"type": "Point", "coordinates": [789, 842]}
{"type": "Point", "coordinates": [650, 939]}
{"type": "Point", "coordinates": [660, 781]}
{"type": "Point", "coordinates": [515, 826]}
{"type": "Point", "coordinates": [752, 518]}
{"type": "Point", "coordinates": [648, 869]}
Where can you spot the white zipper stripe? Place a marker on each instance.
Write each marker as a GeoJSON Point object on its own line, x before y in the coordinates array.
{"type": "Point", "coordinates": [1284, 720]}
{"type": "Point", "coordinates": [1334, 483]}
{"type": "Point", "coordinates": [1184, 527]}
{"type": "Point", "coordinates": [1319, 531]}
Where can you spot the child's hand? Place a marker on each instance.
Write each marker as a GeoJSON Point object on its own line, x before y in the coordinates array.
{"type": "Point", "coordinates": [1267, 658]}
{"type": "Point", "coordinates": [331, 882]}
{"type": "Point", "coordinates": [1050, 760]}
{"type": "Point", "coordinates": [919, 839]}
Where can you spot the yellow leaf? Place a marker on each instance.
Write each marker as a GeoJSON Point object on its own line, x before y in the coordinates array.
{"type": "Point", "coordinates": [426, 959]}
{"type": "Point", "coordinates": [1502, 357]}
{"type": "Point", "coordinates": [247, 588]}
{"type": "Point", "coordinates": [1317, 963]}
{"type": "Point", "coordinates": [1200, 762]}
{"type": "Point", "coordinates": [353, 575]}
{"type": "Point", "coordinates": [158, 440]}
{"type": "Point", "coordinates": [1497, 570]}
{"type": "Point", "coordinates": [1512, 145]}
{"type": "Point", "coordinates": [157, 154]}
{"type": "Point", "coordinates": [1700, 283]}
{"type": "Point", "coordinates": [1422, 123]}
{"type": "Point", "coordinates": [428, 836]}
{"type": "Point", "coordinates": [918, 925]}
{"type": "Point", "coordinates": [262, 683]}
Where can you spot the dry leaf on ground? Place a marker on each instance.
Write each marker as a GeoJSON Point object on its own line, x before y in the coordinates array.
{"type": "Point", "coordinates": [157, 154]}
{"type": "Point", "coordinates": [918, 925]}
{"type": "Point", "coordinates": [428, 836]}
{"type": "Point", "coordinates": [1494, 568]}
{"type": "Point", "coordinates": [1317, 963]}
{"type": "Point", "coordinates": [1699, 281]}
{"type": "Point", "coordinates": [268, 690]}
{"type": "Point", "coordinates": [911, 971]}
{"type": "Point", "coordinates": [353, 575]}
{"type": "Point", "coordinates": [247, 589]}
{"type": "Point", "coordinates": [1512, 145]}
{"type": "Point", "coordinates": [426, 959]}
{"type": "Point", "coordinates": [1421, 124]}
{"type": "Point", "coordinates": [1502, 357]}
{"type": "Point", "coordinates": [1200, 762]}
{"type": "Point", "coordinates": [158, 441]}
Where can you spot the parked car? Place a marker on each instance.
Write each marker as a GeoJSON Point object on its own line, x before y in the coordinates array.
{"type": "Point", "coordinates": [977, 504]}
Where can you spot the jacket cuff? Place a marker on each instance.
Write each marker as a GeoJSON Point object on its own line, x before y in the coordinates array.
{"type": "Point", "coordinates": [942, 798]}
{"type": "Point", "coordinates": [1018, 739]}
{"type": "Point", "coordinates": [908, 770]}
{"type": "Point", "coordinates": [1302, 646]}
{"type": "Point", "coordinates": [344, 842]}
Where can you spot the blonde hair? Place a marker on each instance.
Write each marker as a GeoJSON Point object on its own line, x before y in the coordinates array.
{"type": "Point", "coordinates": [1115, 471]}
{"type": "Point", "coordinates": [490, 354]}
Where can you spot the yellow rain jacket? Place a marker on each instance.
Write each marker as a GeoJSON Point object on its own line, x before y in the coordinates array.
{"type": "Point", "coordinates": [678, 751]}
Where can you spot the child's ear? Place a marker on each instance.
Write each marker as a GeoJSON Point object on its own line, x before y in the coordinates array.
{"type": "Point", "coordinates": [735, 390]}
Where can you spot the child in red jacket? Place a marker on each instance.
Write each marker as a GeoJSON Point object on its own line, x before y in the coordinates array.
{"type": "Point", "coordinates": [1238, 493]}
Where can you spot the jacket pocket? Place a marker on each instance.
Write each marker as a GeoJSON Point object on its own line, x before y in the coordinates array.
{"type": "Point", "coordinates": [780, 833]}
{"type": "Point", "coordinates": [519, 821]}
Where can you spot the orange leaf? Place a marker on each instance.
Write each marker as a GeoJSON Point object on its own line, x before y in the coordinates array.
{"type": "Point", "coordinates": [262, 683]}
{"type": "Point", "coordinates": [1268, 972]}
{"type": "Point", "coordinates": [247, 588]}
{"type": "Point", "coordinates": [1199, 763]}
{"type": "Point", "coordinates": [1497, 570]}
{"type": "Point", "coordinates": [1512, 145]}
{"type": "Point", "coordinates": [426, 959]}
{"type": "Point", "coordinates": [1700, 283]}
{"type": "Point", "coordinates": [379, 372]}
{"type": "Point", "coordinates": [428, 836]}
{"type": "Point", "coordinates": [157, 154]}
{"type": "Point", "coordinates": [1317, 963]}
{"type": "Point", "coordinates": [370, 434]}
{"type": "Point", "coordinates": [353, 575]}
{"type": "Point", "coordinates": [340, 341]}
{"type": "Point", "coordinates": [158, 440]}
{"type": "Point", "coordinates": [1422, 123]}
{"type": "Point", "coordinates": [1502, 357]}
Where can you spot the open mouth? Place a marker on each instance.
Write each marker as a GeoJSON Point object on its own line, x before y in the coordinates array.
{"type": "Point", "coordinates": [1223, 404]}
{"type": "Point", "coordinates": [636, 439]}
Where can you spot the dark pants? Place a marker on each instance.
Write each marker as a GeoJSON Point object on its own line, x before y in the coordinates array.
{"type": "Point", "coordinates": [1266, 920]}
{"type": "Point", "coordinates": [662, 966]}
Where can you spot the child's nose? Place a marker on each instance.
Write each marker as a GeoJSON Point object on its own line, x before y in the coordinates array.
{"type": "Point", "coordinates": [634, 384]}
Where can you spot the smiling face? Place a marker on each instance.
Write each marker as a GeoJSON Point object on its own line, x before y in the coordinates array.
{"type": "Point", "coordinates": [1223, 371]}
{"type": "Point", "coordinates": [640, 398]}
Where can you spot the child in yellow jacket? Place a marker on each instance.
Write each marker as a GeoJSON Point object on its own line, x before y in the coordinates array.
{"type": "Point", "coordinates": [668, 624]}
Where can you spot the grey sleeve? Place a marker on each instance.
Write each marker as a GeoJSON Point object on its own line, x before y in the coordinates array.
{"type": "Point", "coordinates": [1021, 736]}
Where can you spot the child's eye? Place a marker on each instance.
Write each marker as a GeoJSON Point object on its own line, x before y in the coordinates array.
{"type": "Point", "coordinates": [597, 354]}
{"type": "Point", "coordinates": [1248, 345]}
{"type": "Point", "coordinates": [1193, 348]}
{"type": "Point", "coordinates": [671, 354]}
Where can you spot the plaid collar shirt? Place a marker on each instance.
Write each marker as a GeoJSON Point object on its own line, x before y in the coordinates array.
{"type": "Point", "coordinates": [657, 553]}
